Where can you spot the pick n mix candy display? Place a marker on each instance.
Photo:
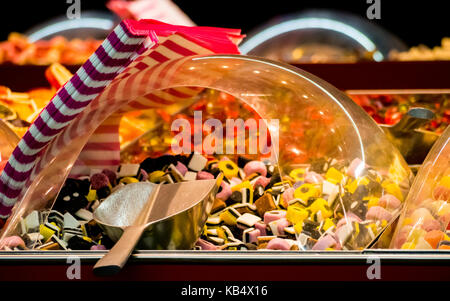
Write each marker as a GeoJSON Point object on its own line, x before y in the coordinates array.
{"type": "Point", "coordinates": [424, 53]}
{"type": "Point", "coordinates": [326, 205]}
{"type": "Point", "coordinates": [389, 109]}
{"type": "Point", "coordinates": [20, 109]}
{"type": "Point", "coordinates": [424, 223]}
{"type": "Point", "coordinates": [333, 183]}
{"type": "Point", "coordinates": [20, 51]}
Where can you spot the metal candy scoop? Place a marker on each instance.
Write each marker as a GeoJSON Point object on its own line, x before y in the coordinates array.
{"type": "Point", "coordinates": [164, 216]}
{"type": "Point", "coordinates": [412, 142]}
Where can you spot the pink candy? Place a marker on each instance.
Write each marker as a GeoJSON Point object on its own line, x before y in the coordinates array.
{"type": "Point", "coordinates": [274, 215]}
{"type": "Point", "coordinates": [281, 224]}
{"type": "Point", "coordinates": [226, 191]}
{"type": "Point", "coordinates": [389, 201]}
{"type": "Point", "coordinates": [253, 235]}
{"type": "Point", "coordinates": [235, 181]}
{"type": "Point", "coordinates": [12, 242]}
{"type": "Point", "coordinates": [356, 167]}
{"type": "Point", "coordinates": [204, 175]}
{"type": "Point", "coordinates": [278, 244]}
{"type": "Point", "coordinates": [181, 168]}
{"type": "Point", "coordinates": [287, 196]}
{"type": "Point", "coordinates": [441, 193]}
{"type": "Point", "coordinates": [99, 180]}
{"type": "Point", "coordinates": [351, 217]}
{"type": "Point", "coordinates": [431, 224]}
{"type": "Point", "coordinates": [255, 167]}
{"type": "Point", "coordinates": [98, 247]}
{"type": "Point", "coordinates": [261, 227]}
{"type": "Point", "coordinates": [325, 242]}
{"type": "Point", "coordinates": [206, 245]}
{"type": "Point", "coordinates": [378, 213]}
{"type": "Point", "coordinates": [263, 181]}
{"type": "Point", "coordinates": [313, 178]}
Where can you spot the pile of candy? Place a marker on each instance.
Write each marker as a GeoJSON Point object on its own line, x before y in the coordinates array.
{"type": "Point", "coordinates": [426, 225]}
{"type": "Point", "coordinates": [423, 53]}
{"type": "Point", "coordinates": [389, 109]}
{"type": "Point", "coordinates": [20, 51]}
{"type": "Point", "coordinates": [327, 205]}
{"type": "Point", "coordinates": [21, 108]}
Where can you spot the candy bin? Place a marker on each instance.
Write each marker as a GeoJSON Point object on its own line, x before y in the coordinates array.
{"type": "Point", "coordinates": [321, 36]}
{"type": "Point", "coordinates": [314, 173]}
{"type": "Point", "coordinates": [423, 224]}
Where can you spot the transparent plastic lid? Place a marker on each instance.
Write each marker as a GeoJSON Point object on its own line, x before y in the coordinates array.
{"type": "Point", "coordinates": [320, 36]}
{"type": "Point", "coordinates": [426, 216]}
{"type": "Point", "coordinates": [346, 179]}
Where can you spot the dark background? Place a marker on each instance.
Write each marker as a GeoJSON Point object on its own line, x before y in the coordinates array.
{"type": "Point", "coordinates": [414, 22]}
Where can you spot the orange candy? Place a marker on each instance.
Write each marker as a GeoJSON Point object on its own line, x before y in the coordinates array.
{"type": "Point", "coordinates": [434, 237]}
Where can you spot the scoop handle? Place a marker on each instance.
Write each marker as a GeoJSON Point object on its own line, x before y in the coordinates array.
{"type": "Point", "coordinates": [115, 259]}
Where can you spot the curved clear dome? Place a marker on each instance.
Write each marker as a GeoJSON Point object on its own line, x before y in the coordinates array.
{"type": "Point", "coordinates": [321, 36]}
{"type": "Point", "coordinates": [331, 153]}
{"type": "Point", "coordinates": [424, 222]}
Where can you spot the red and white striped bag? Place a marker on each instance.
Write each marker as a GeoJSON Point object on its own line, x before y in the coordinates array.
{"type": "Point", "coordinates": [124, 74]}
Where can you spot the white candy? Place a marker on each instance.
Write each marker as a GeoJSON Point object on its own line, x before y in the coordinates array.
{"type": "Point", "coordinates": [84, 214]}
{"type": "Point", "coordinates": [34, 236]}
{"type": "Point", "coordinates": [190, 176]}
{"type": "Point", "coordinates": [70, 221]}
{"type": "Point", "coordinates": [344, 232]}
{"type": "Point", "coordinates": [331, 190]}
{"type": "Point", "coordinates": [128, 170]}
{"type": "Point", "coordinates": [175, 173]}
{"type": "Point", "coordinates": [60, 242]}
{"type": "Point", "coordinates": [32, 221]}
{"type": "Point", "coordinates": [248, 219]}
{"type": "Point", "coordinates": [197, 163]}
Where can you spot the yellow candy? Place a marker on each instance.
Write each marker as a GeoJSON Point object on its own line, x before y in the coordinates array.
{"type": "Point", "coordinates": [353, 185]}
{"type": "Point", "coordinates": [393, 189]}
{"type": "Point", "coordinates": [407, 221]}
{"type": "Point", "coordinates": [92, 195]}
{"type": "Point", "coordinates": [373, 201]}
{"type": "Point", "coordinates": [128, 180]}
{"type": "Point", "coordinates": [88, 239]}
{"type": "Point", "coordinates": [444, 209]}
{"type": "Point", "coordinates": [374, 228]}
{"type": "Point", "coordinates": [245, 184]}
{"type": "Point", "coordinates": [384, 223]}
{"type": "Point", "coordinates": [334, 176]}
{"type": "Point", "coordinates": [306, 191]}
{"type": "Point", "coordinates": [298, 174]}
{"type": "Point", "coordinates": [298, 227]}
{"type": "Point", "coordinates": [408, 246]}
{"type": "Point", "coordinates": [329, 249]}
{"type": "Point", "coordinates": [46, 232]}
{"type": "Point", "coordinates": [296, 214]}
{"type": "Point", "coordinates": [328, 224]}
{"type": "Point", "coordinates": [445, 181]}
{"type": "Point", "coordinates": [230, 216]}
{"type": "Point", "coordinates": [155, 177]}
{"type": "Point", "coordinates": [229, 168]}
{"type": "Point", "coordinates": [320, 205]}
